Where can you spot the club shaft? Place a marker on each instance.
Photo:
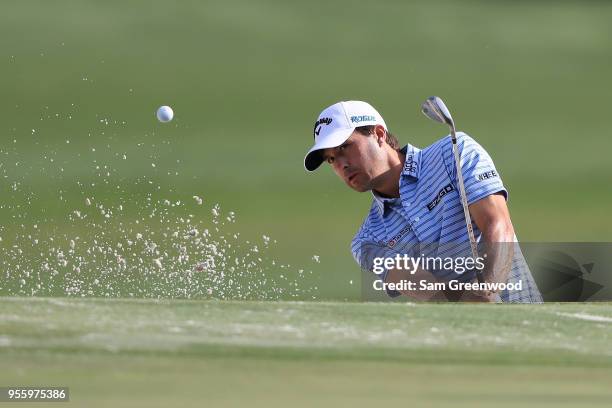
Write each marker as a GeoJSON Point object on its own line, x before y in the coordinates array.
{"type": "Point", "coordinates": [464, 203]}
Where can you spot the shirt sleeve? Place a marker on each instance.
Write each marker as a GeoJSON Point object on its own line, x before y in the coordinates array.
{"type": "Point", "coordinates": [369, 256]}
{"type": "Point", "coordinates": [480, 176]}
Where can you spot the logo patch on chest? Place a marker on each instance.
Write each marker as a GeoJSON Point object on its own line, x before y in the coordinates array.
{"type": "Point", "coordinates": [398, 236]}
{"type": "Point", "coordinates": [445, 190]}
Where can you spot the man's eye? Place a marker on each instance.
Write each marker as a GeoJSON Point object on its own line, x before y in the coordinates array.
{"type": "Point", "coordinates": [330, 160]}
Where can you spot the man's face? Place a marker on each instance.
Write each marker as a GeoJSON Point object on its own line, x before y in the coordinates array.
{"type": "Point", "coordinates": [360, 161]}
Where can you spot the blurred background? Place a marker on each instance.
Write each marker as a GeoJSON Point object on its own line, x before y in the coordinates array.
{"type": "Point", "coordinates": [81, 82]}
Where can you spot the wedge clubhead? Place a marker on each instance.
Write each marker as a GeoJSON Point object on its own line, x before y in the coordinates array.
{"type": "Point", "coordinates": [435, 109]}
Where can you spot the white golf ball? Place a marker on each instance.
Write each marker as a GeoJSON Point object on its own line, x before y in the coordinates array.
{"type": "Point", "coordinates": [165, 114]}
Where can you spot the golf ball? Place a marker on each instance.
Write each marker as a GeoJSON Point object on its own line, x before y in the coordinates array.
{"type": "Point", "coordinates": [165, 114]}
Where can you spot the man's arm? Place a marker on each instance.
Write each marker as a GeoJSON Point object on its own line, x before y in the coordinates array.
{"type": "Point", "coordinates": [492, 217]}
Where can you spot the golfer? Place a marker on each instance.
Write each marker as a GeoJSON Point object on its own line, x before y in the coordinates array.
{"type": "Point", "coordinates": [416, 209]}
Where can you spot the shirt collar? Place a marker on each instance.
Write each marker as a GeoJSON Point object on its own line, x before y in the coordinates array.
{"type": "Point", "coordinates": [412, 162]}
{"type": "Point", "coordinates": [411, 169]}
{"type": "Point", "coordinates": [383, 203]}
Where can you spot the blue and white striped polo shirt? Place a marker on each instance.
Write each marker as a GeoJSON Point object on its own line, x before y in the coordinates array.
{"type": "Point", "coordinates": [427, 219]}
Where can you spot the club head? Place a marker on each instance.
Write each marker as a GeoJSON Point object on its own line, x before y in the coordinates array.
{"type": "Point", "coordinates": [435, 109]}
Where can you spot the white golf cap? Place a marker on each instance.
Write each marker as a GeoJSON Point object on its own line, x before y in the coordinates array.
{"type": "Point", "coordinates": [336, 124]}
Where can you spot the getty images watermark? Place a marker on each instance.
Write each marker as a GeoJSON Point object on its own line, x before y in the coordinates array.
{"type": "Point", "coordinates": [459, 265]}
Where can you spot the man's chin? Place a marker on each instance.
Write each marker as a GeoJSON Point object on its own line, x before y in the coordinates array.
{"type": "Point", "coordinates": [360, 188]}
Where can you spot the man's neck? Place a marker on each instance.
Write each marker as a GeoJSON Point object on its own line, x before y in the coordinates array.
{"type": "Point", "coordinates": [389, 181]}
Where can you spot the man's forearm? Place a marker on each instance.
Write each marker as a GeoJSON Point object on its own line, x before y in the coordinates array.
{"type": "Point", "coordinates": [499, 249]}
{"type": "Point", "coordinates": [492, 217]}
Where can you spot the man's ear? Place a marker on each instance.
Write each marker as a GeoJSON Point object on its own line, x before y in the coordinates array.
{"type": "Point", "coordinates": [380, 133]}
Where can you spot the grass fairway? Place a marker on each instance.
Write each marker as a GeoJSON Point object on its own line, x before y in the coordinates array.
{"type": "Point", "coordinates": [221, 353]}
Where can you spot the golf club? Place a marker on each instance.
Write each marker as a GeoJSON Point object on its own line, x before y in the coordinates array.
{"type": "Point", "coordinates": [435, 109]}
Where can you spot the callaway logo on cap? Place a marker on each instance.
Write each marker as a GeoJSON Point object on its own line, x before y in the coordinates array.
{"type": "Point", "coordinates": [336, 124]}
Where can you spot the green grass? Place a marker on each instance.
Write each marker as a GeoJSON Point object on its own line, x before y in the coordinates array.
{"type": "Point", "coordinates": [220, 353]}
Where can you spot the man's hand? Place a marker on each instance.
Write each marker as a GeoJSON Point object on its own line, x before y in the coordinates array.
{"type": "Point", "coordinates": [484, 296]}
{"type": "Point", "coordinates": [448, 295]}
{"type": "Point", "coordinates": [396, 276]}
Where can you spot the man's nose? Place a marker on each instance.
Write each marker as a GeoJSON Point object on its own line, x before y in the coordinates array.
{"type": "Point", "coordinates": [342, 162]}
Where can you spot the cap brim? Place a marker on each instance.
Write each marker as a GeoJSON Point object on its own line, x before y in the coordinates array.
{"type": "Point", "coordinates": [314, 157]}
